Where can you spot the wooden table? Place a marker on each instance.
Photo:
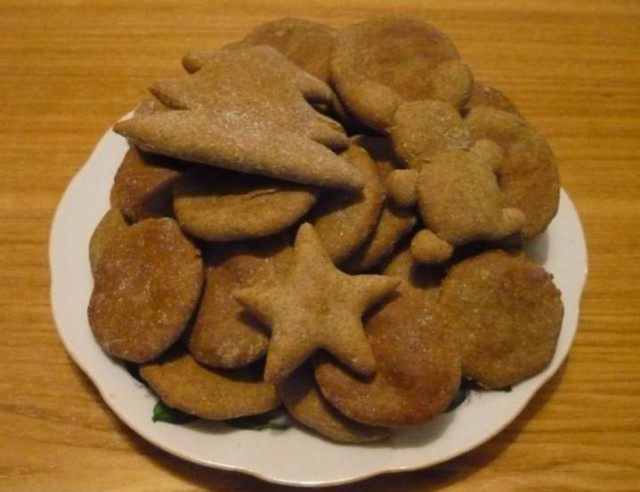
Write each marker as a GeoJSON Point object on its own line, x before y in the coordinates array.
{"type": "Point", "coordinates": [69, 69]}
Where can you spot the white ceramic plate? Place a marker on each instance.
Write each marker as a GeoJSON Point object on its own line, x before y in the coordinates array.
{"type": "Point", "coordinates": [293, 456]}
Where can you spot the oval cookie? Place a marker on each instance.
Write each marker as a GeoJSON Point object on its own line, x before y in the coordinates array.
{"type": "Point", "coordinates": [393, 222]}
{"type": "Point", "coordinates": [146, 286]}
{"type": "Point", "coordinates": [344, 221]}
{"type": "Point", "coordinates": [207, 393]}
{"type": "Point", "coordinates": [143, 185]}
{"type": "Point", "coordinates": [111, 224]}
{"type": "Point", "coordinates": [225, 206]}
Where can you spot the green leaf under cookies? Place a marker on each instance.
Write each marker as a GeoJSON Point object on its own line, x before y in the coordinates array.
{"type": "Point", "coordinates": [164, 413]}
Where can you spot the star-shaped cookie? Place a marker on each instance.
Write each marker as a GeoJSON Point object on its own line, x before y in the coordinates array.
{"type": "Point", "coordinates": [316, 306]}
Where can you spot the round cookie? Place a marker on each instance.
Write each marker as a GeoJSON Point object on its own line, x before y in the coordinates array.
{"type": "Point", "coordinates": [225, 206]}
{"type": "Point", "coordinates": [344, 221]}
{"type": "Point", "coordinates": [510, 314]}
{"type": "Point", "coordinates": [142, 187]}
{"type": "Point", "coordinates": [146, 287]}
{"type": "Point", "coordinates": [305, 43]}
{"type": "Point", "coordinates": [529, 176]}
{"type": "Point", "coordinates": [377, 64]}
{"type": "Point", "coordinates": [111, 224]}
{"type": "Point", "coordinates": [417, 353]}
{"type": "Point", "coordinates": [303, 400]}
{"type": "Point", "coordinates": [223, 334]}
{"type": "Point", "coordinates": [207, 393]}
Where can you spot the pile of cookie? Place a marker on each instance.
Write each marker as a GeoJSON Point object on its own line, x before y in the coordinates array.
{"type": "Point", "coordinates": [331, 221]}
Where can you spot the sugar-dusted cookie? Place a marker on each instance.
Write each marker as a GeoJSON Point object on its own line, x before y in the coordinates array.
{"type": "Point", "coordinates": [416, 348]}
{"type": "Point", "coordinates": [266, 150]}
{"type": "Point", "coordinates": [246, 111]}
{"type": "Point", "coordinates": [143, 185]}
{"type": "Point", "coordinates": [223, 334]}
{"type": "Point", "coordinates": [379, 63]}
{"type": "Point", "coordinates": [217, 205]}
{"type": "Point", "coordinates": [305, 403]}
{"type": "Point", "coordinates": [394, 222]}
{"type": "Point", "coordinates": [305, 43]}
{"type": "Point", "coordinates": [256, 83]}
{"type": "Point", "coordinates": [510, 314]}
{"type": "Point", "coordinates": [111, 224]}
{"type": "Point", "coordinates": [529, 176]}
{"type": "Point", "coordinates": [214, 394]}
{"type": "Point", "coordinates": [460, 201]}
{"type": "Point", "coordinates": [343, 221]}
{"type": "Point", "coordinates": [316, 306]}
{"type": "Point", "coordinates": [146, 286]}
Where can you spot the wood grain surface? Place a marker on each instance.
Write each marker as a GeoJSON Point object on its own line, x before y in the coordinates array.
{"type": "Point", "coordinates": [69, 69]}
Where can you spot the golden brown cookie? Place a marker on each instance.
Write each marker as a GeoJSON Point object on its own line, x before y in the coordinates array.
{"type": "Point", "coordinates": [422, 129]}
{"type": "Point", "coordinates": [304, 401]}
{"type": "Point", "coordinates": [343, 221]}
{"type": "Point", "coordinates": [111, 224]}
{"type": "Point", "coordinates": [247, 112]}
{"type": "Point", "coordinates": [215, 205]}
{"type": "Point", "coordinates": [146, 287]}
{"type": "Point", "coordinates": [315, 307]}
{"type": "Point", "coordinates": [223, 334]}
{"type": "Point", "coordinates": [256, 83]}
{"type": "Point", "coordinates": [379, 63]}
{"type": "Point", "coordinates": [529, 175]}
{"type": "Point", "coordinates": [418, 371]}
{"type": "Point", "coordinates": [213, 394]}
{"type": "Point", "coordinates": [393, 222]}
{"type": "Point", "coordinates": [510, 314]}
{"type": "Point", "coordinates": [143, 185]}
{"type": "Point", "coordinates": [266, 150]}
{"type": "Point", "coordinates": [305, 43]}
{"type": "Point", "coordinates": [460, 201]}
